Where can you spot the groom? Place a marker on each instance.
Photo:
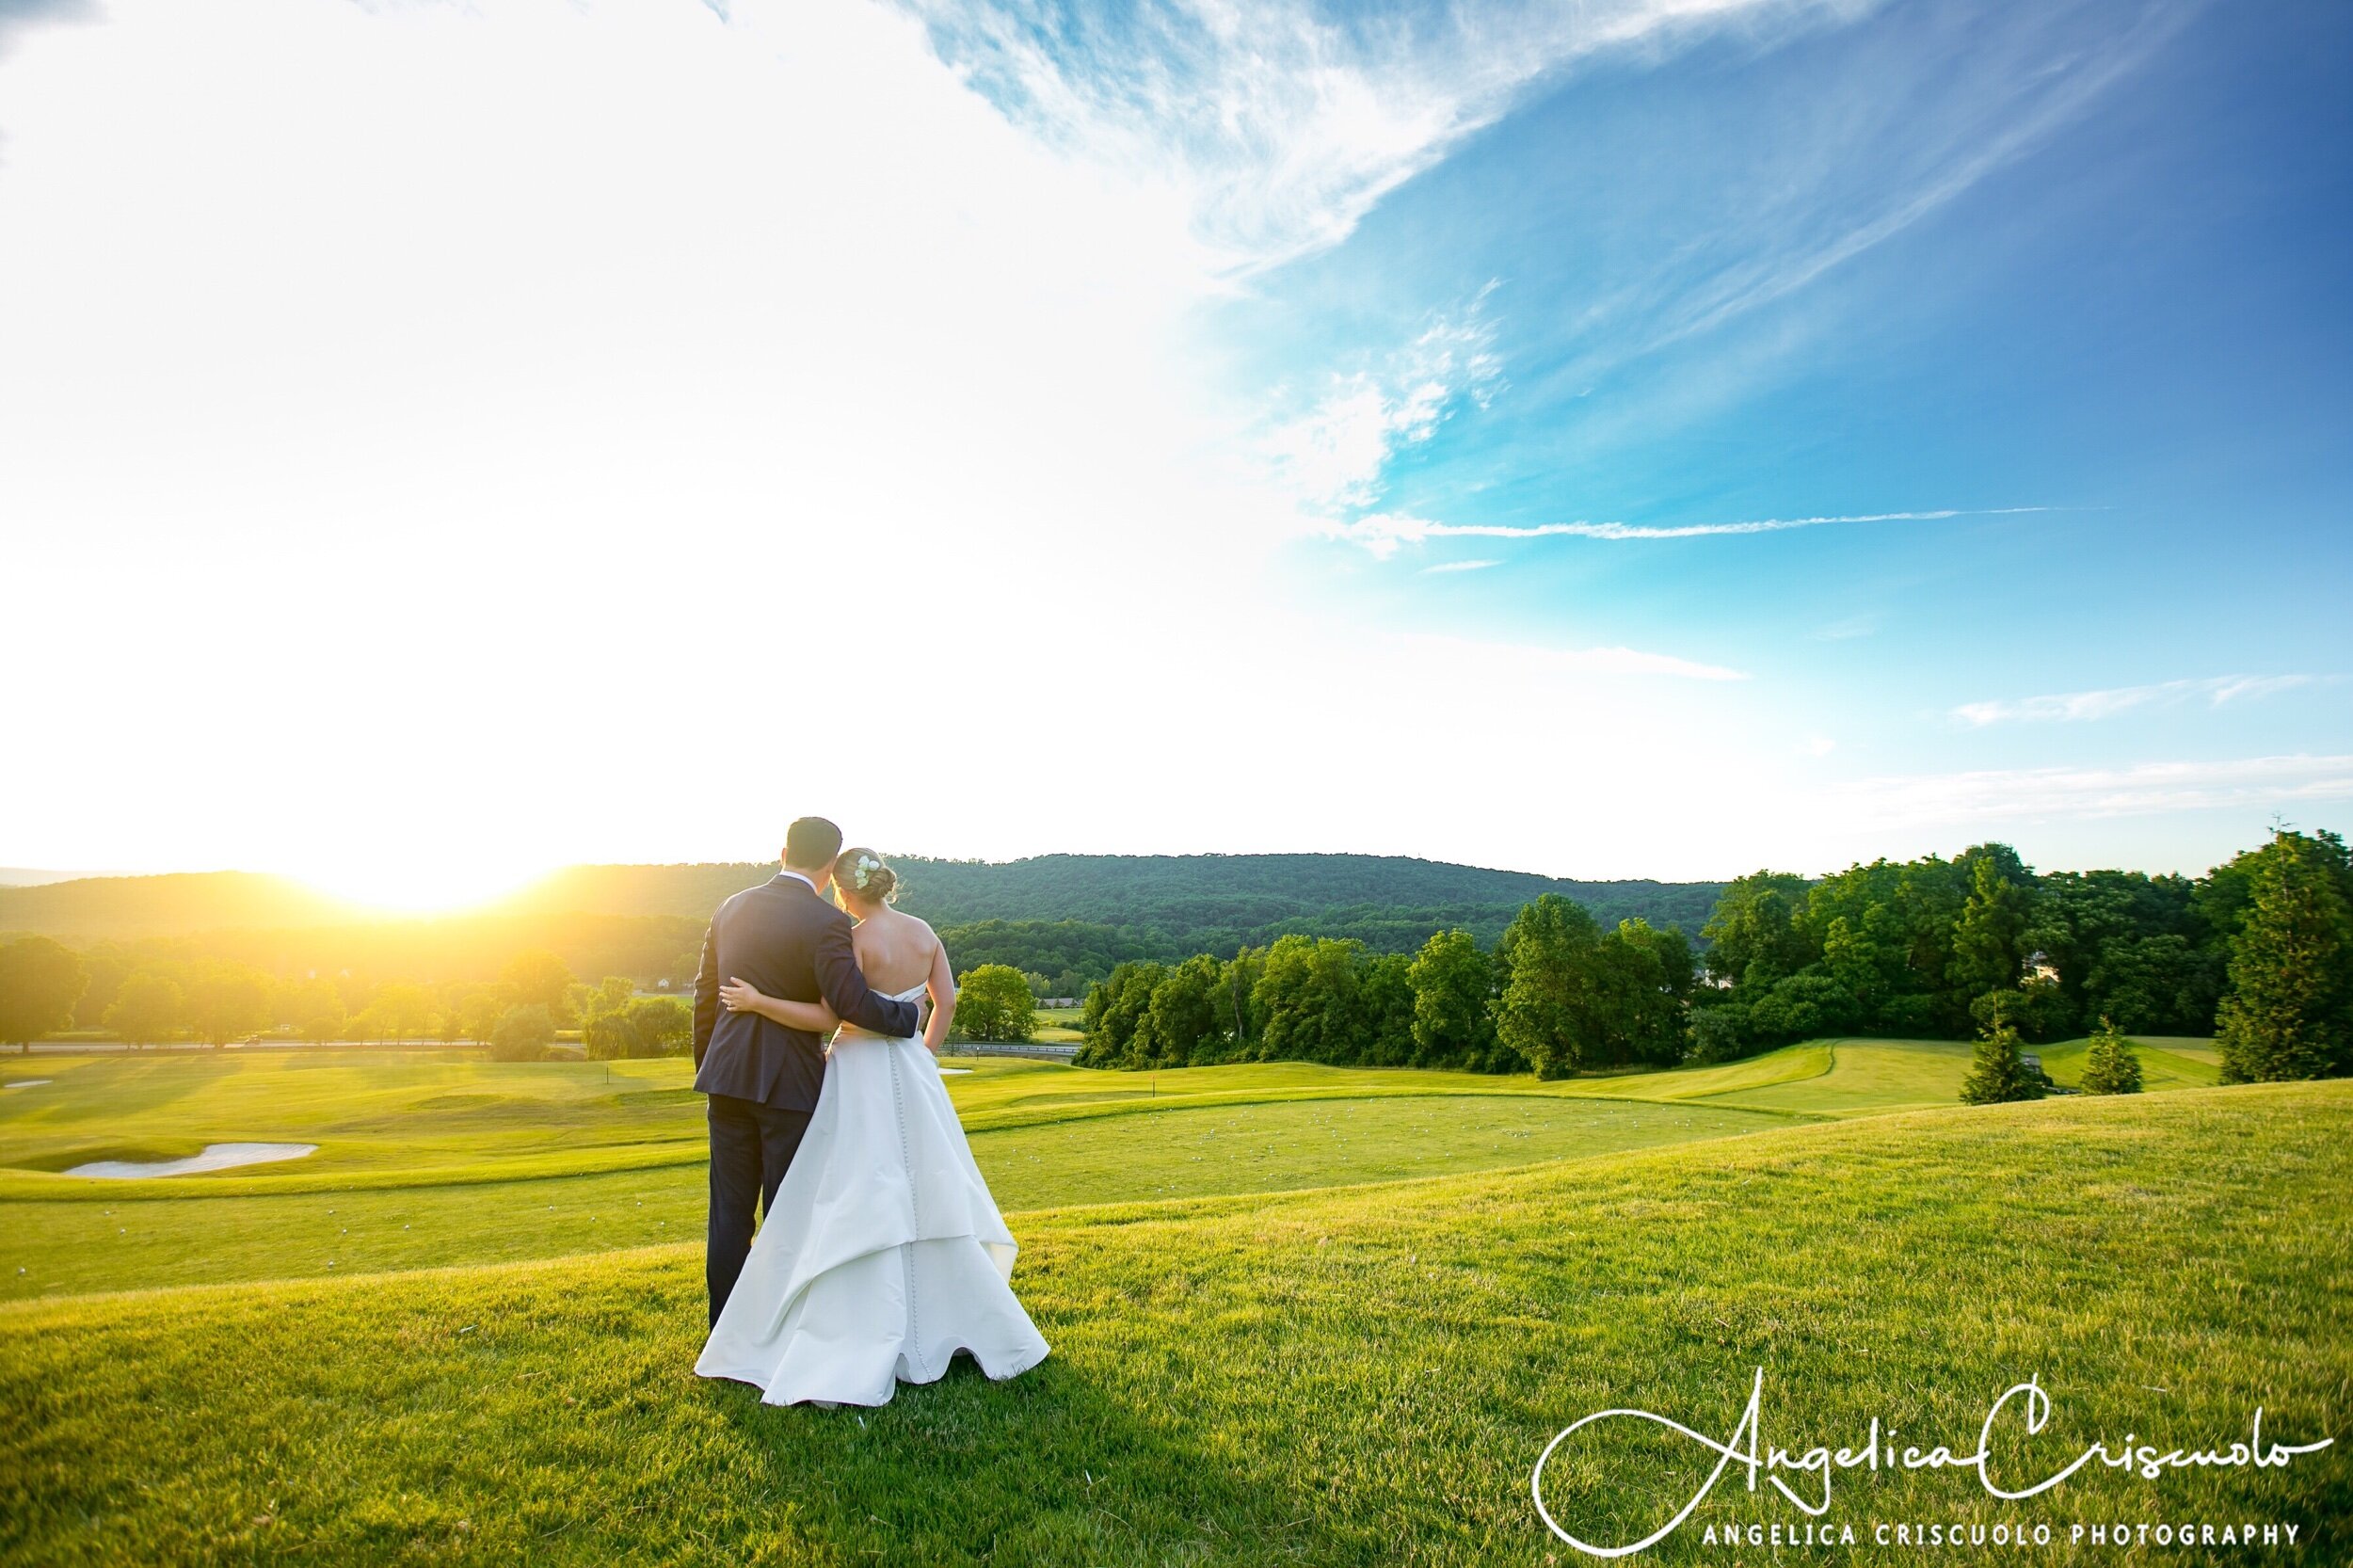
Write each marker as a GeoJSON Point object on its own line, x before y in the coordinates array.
{"type": "Point", "coordinates": [785, 937]}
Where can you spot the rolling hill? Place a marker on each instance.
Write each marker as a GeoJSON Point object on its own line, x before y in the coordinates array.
{"type": "Point", "coordinates": [1151, 907]}
{"type": "Point", "coordinates": [1347, 1374]}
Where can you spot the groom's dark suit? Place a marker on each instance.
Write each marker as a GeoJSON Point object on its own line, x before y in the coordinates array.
{"type": "Point", "coordinates": [762, 1079]}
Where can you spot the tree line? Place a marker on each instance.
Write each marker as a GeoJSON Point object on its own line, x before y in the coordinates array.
{"type": "Point", "coordinates": [164, 998]}
{"type": "Point", "coordinates": [2257, 953]}
{"type": "Point", "coordinates": [1556, 993]}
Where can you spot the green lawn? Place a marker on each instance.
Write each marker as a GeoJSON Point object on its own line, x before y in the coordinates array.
{"type": "Point", "coordinates": [430, 1159]}
{"type": "Point", "coordinates": [1363, 1375]}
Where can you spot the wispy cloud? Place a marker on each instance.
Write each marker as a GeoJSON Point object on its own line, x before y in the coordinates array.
{"type": "Point", "coordinates": [1284, 125]}
{"type": "Point", "coordinates": [1460, 566]}
{"type": "Point", "coordinates": [2073, 707]}
{"type": "Point", "coordinates": [1334, 455]}
{"type": "Point", "coordinates": [2026, 793]}
{"type": "Point", "coordinates": [1383, 533]}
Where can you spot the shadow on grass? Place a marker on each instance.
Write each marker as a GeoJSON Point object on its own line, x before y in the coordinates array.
{"type": "Point", "coordinates": [127, 1087]}
{"type": "Point", "coordinates": [1046, 1467]}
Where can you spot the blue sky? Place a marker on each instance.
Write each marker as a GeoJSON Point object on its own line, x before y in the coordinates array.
{"type": "Point", "coordinates": [1369, 428]}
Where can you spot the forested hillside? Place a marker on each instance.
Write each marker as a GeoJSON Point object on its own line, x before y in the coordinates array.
{"type": "Point", "coordinates": [1068, 918]}
{"type": "Point", "coordinates": [1194, 902]}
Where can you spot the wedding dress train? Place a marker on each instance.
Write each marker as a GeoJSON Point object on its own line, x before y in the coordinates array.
{"type": "Point", "coordinates": [883, 1255]}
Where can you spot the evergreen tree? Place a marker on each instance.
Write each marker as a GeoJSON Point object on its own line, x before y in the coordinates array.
{"type": "Point", "coordinates": [1998, 1072]}
{"type": "Point", "coordinates": [1987, 940]}
{"type": "Point", "coordinates": [2111, 1066]}
{"type": "Point", "coordinates": [2289, 1013]}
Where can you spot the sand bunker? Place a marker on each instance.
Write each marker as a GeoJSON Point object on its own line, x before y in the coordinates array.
{"type": "Point", "coordinates": [216, 1157]}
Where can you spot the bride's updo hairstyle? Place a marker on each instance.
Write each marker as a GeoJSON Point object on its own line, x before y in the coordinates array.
{"type": "Point", "coordinates": [867, 876]}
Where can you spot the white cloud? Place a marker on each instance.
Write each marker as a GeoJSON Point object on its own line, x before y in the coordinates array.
{"type": "Point", "coordinates": [2067, 707]}
{"type": "Point", "coordinates": [2029, 795]}
{"type": "Point", "coordinates": [451, 440]}
{"type": "Point", "coordinates": [1382, 532]}
{"type": "Point", "coordinates": [1334, 455]}
{"type": "Point", "coordinates": [474, 439]}
{"type": "Point", "coordinates": [1460, 566]}
{"type": "Point", "coordinates": [1282, 126]}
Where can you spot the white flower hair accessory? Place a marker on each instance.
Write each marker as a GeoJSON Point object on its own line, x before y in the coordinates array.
{"type": "Point", "coordinates": [864, 872]}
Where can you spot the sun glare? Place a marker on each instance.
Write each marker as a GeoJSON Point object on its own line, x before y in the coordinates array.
{"type": "Point", "coordinates": [422, 886]}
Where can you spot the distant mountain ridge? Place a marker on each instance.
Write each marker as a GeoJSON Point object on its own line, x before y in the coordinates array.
{"type": "Point", "coordinates": [173, 904]}
{"type": "Point", "coordinates": [1198, 903]}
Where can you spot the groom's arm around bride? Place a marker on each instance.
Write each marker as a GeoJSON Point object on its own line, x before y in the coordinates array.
{"type": "Point", "coordinates": [789, 940]}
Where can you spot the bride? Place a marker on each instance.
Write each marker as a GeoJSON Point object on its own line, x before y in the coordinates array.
{"type": "Point", "coordinates": [882, 1253]}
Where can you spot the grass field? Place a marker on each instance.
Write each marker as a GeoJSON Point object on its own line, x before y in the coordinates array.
{"type": "Point", "coordinates": [1268, 1348]}
{"type": "Point", "coordinates": [431, 1160]}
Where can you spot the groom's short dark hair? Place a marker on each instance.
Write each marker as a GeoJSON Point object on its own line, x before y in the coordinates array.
{"type": "Point", "coordinates": [812, 842]}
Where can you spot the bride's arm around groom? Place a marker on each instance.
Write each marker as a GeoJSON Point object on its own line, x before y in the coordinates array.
{"type": "Point", "coordinates": [816, 1018]}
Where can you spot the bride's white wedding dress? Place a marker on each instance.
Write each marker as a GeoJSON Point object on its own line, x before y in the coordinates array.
{"type": "Point", "coordinates": [883, 1255]}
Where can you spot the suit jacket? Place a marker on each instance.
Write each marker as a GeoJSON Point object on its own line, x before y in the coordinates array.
{"type": "Point", "coordinates": [789, 942]}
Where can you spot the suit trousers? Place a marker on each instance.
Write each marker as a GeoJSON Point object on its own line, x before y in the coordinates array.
{"type": "Point", "coordinates": [751, 1144]}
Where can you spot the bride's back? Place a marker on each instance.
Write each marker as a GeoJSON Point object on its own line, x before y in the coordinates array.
{"type": "Point", "coordinates": [893, 950]}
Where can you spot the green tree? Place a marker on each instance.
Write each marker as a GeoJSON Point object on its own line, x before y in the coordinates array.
{"type": "Point", "coordinates": [399, 1011]}
{"type": "Point", "coordinates": [1454, 1022]}
{"type": "Point", "coordinates": [1550, 1009]}
{"type": "Point", "coordinates": [2160, 984]}
{"type": "Point", "coordinates": [147, 1008]}
{"type": "Point", "coordinates": [1755, 936]}
{"type": "Point", "coordinates": [1647, 976]}
{"type": "Point", "coordinates": [1115, 1007]}
{"type": "Point", "coordinates": [1865, 954]}
{"type": "Point", "coordinates": [478, 1014]}
{"type": "Point", "coordinates": [539, 978]}
{"type": "Point", "coordinates": [1182, 1014]}
{"type": "Point", "coordinates": [992, 1002]}
{"type": "Point", "coordinates": [1718, 1032]}
{"type": "Point", "coordinates": [609, 1036]}
{"type": "Point", "coordinates": [1998, 1071]}
{"type": "Point", "coordinates": [1387, 996]}
{"type": "Point", "coordinates": [1309, 1001]}
{"type": "Point", "coordinates": [1803, 1007]}
{"type": "Point", "coordinates": [41, 980]}
{"type": "Point", "coordinates": [226, 1000]}
{"type": "Point", "coordinates": [1988, 939]}
{"type": "Point", "coordinates": [2289, 1014]}
{"type": "Point", "coordinates": [2110, 1064]}
{"type": "Point", "coordinates": [610, 995]}
{"type": "Point", "coordinates": [664, 1026]}
{"type": "Point", "coordinates": [2036, 1007]}
{"type": "Point", "coordinates": [522, 1033]}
